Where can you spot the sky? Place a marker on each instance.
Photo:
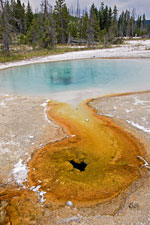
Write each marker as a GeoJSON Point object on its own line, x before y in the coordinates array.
{"type": "Point", "coordinates": [141, 6]}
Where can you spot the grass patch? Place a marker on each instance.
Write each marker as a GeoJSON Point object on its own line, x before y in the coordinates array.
{"type": "Point", "coordinates": [23, 53]}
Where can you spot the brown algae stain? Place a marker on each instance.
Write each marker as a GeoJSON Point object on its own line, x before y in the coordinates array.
{"type": "Point", "coordinates": [94, 164]}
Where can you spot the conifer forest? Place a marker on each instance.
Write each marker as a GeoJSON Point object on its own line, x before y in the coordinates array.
{"type": "Point", "coordinates": [50, 26]}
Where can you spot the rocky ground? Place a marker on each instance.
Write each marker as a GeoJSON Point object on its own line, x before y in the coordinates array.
{"type": "Point", "coordinates": [24, 128]}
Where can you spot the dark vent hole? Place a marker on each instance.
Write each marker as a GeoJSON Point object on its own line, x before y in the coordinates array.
{"type": "Point", "coordinates": [79, 166]}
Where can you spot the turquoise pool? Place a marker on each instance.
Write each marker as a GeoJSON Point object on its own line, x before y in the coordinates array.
{"type": "Point", "coordinates": [46, 78]}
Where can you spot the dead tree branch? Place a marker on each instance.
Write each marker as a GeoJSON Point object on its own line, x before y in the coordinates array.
{"type": "Point", "coordinates": [145, 163]}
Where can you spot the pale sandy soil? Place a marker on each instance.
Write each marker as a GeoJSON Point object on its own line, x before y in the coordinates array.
{"type": "Point", "coordinates": [25, 128]}
{"type": "Point", "coordinates": [130, 49]}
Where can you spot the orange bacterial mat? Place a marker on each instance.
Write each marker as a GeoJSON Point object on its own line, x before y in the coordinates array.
{"type": "Point", "coordinates": [94, 164]}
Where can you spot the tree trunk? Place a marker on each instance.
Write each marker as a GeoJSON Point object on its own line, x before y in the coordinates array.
{"type": "Point", "coordinates": [5, 32]}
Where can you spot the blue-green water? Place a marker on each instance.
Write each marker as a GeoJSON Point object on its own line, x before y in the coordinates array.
{"type": "Point", "coordinates": [46, 78]}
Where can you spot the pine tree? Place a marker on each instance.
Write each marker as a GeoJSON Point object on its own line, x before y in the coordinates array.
{"type": "Point", "coordinates": [139, 22]}
{"type": "Point", "coordinates": [94, 29]}
{"type": "Point", "coordinates": [29, 16]}
{"type": "Point", "coordinates": [34, 34]}
{"type": "Point", "coordinates": [18, 16]}
{"type": "Point", "coordinates": [47, 39]}
{"type": "Point", "coordinates": [106, 18]}
{"type": "Point", "coordinates": [84, 27]}
{"type": "Point", "coordinates": [115, 23]}
{"type": "Point", "coordinates": [48, 27]}
{"type": "Point", "coordinates": [74, 29]}
{"type": "Point", "coordinates": [143, 21]}
{"type": "Point", "coordinates": [127, 24]}
{"type": "Point", "coordinates": [23, 20]}
{"type": "Point", "coordinates": [61, 15]}
{"type": "Point", "coordinates": [139, 26]}
{"type": "Point", "coordinates": [109, 17]}
{"type": "Point", "coordinates": [132, 19]}
{"type": "Point", "coordinates": [91, 26]}
{"type": "Point", "coordinates": [42, 32]}
{"type": "Point", "coordinates": [5, 32]}
{"type": "Point", "coordinates": [101, 16]}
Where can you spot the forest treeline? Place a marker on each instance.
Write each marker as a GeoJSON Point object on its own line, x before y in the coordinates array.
{"type": "Point", "coordinates": [51, 26]}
